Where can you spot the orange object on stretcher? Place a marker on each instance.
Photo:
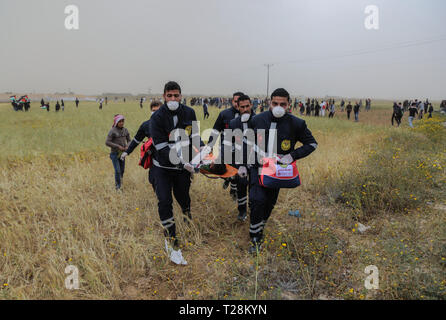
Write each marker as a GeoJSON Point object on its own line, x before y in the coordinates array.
{"type": "Point", "coordinates": [230, 170]}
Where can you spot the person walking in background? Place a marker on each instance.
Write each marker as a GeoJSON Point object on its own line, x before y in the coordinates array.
{"type": "Point", "coordinates": [316, 108]}
{"type": "Point", "coordinates": [430, 110]}
{"type": "Point", "coordinates": [205, 110]}
{"type": "Point", "coordinates": [349, 110]}
{"type": "Point", "coordinates": [308, 108]}
{"type": "Point", "coordinates": [405, 105]}
{"type": "Point", "coordinates": [323, 107]}
{"type": "Point", "coordinates": [77, 102]}
{"type": "Point", "coordinates": [332, 110]}
{"type": "Point", "coordinates": [412, 112]}
{"type": "Point", "coordinates": [397, 113]}
{"type": "Point", "coordinates": [356, 110]}
{"type": "Point", "coordinates": [57, 106]}
{"type": "Point", "coordinates": [63, 104]}
{"type": "Point", "coordinates": [420, 110]}
{"type": "Point", "coordinates": [117, 139]}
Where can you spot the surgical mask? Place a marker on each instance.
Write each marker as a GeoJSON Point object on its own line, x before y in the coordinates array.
{"type": "Point", "coordinates": [278, 112]}
{"type": "Point", "coordinates": [173, 105]}
{"type": "Point", "coordinates": [151, 113]}
{"type": "Point", "coordinates": [245, 117]}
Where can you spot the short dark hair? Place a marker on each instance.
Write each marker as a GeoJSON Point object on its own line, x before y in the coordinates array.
{"type": "Point", "coordinates": [238, 93]}
{"type": "Point", "coordinates": [155, 103]}
{"type": "Point", "coordinates": [172, 85]}
{"type": "Point", "coordinates": [281, 92]}
{"type": "Point", "coordinates": [244, 97]}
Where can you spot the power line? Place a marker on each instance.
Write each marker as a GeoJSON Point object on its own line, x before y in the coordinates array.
{"type": "Point", "coordinates": [406, 44]}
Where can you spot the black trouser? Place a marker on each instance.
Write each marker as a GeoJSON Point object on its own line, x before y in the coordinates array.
{"type": "Point", "coordinates": [348, 114]}
{"type": "Point", "coordinates": [331, 115]}
{"type": "Point", "coordinates": [232, 185]}
{"type": "Point", "coordinates": [242, 193]}
{"type": "Point", "coordinates": [261, 202]}
{"type": "Point", "coordinates": [206, 114]}
{"type": "Point", "coordinates": [166, 181]}
{"type": "Point", "coordinates": [152, 180]}
{"type": "Point", "coordinates": [397, 118]}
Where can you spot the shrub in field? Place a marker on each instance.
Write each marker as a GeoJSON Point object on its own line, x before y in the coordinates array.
{"type": "Point", "coordinates": [401, 172]}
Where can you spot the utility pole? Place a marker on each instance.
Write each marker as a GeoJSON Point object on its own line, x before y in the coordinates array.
{"type": "Point", "coordinates": [267, 78]}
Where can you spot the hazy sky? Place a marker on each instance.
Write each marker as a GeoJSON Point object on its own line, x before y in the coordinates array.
{"type": "Point", "coordinates": [221, 46]}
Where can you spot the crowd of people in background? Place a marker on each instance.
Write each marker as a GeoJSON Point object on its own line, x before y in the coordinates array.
{"type": "Point", "coordinates": [224, 102]}
{"type": "Point", "coordinates": [310, 107]}
{"type": "Point", "coordinates": [20, 104]}
{"type": "Point", "coordinates": [316, 108]}
{"type": "Point", "coordinates": [416, 108]}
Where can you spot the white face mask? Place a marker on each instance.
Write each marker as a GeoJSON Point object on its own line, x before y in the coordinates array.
{"type": "Point", "coordinates": [152, 113]}
{"type": "Point", "coordinates": [245, 117]}
{"type": "Point", "coordinates": [278, 112]}
{"type": "Point", "coordinates": [173, 105]}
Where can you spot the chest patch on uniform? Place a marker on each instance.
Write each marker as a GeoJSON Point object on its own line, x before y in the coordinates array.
{"type": "Point", "coordinates": [286, 145]}
{"type": "Point", "coordinates": [188, 130]}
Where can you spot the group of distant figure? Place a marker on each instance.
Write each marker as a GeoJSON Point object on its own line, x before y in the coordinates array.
{"type": "Point", "coordinates": [312, 107]}
{"type": "Point", "coordinates": [220, 102]}
{"type": "Point", "coordinates": [309, 107]}
{"type": "Point", "coordinates": [414, 107]}
{"type": "Point", "coordinates": [46, 105]}
{"type": "Point", "coordinates": [20, 104]}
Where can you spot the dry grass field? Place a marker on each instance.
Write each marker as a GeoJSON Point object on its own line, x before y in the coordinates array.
{"type": "Point", "coordinates": [58, 207]}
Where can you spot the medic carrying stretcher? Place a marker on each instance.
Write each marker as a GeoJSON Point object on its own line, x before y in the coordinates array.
{"type": "Point", "coordinates": [204, 162]}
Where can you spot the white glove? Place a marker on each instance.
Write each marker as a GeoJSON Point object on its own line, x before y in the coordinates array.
{"type": "Point", "coordinates": [123, 155]}
{"type": "Point", "coordinates": [189, 167]}
{"type": "Point", "coordinates": [243, 172]}
{"type": "Point", "coordinates": [286, 159]}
